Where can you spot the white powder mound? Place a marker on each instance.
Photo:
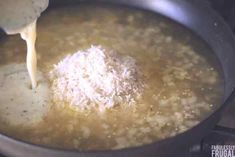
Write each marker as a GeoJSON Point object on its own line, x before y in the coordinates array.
{"type": "Point", "coordinates": [96, 78]}
{"type": "Point", "coordinates": [20, 105]}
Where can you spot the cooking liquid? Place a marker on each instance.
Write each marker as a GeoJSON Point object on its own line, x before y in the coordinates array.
{"type": "Point", "coordinates": [184, 85]}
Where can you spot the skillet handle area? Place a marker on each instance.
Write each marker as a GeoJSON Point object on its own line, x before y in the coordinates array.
{"type": "Point", "coordinates": [219, 136]}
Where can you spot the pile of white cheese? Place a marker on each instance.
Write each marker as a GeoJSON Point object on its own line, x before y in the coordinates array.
{"type": "Point", "coordinates": [96, 78]}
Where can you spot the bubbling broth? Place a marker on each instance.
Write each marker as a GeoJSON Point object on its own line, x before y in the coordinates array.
{"type": "Point", "coordinates": [182, 79]}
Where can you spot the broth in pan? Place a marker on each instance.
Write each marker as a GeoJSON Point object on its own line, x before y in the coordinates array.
{"type": "Point", "coordinates": [162, 80]}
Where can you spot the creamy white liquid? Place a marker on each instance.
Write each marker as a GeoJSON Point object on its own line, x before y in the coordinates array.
{"type": "Point", "coordinates": [21, 105]}
{"type": "Point", "coordinates": [29, 35]}
{"type": "Point", "coordinates": [15, 14]}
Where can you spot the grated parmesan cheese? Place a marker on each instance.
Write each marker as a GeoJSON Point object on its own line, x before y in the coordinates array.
{"type": "Point", "coordinates": [96, 78]}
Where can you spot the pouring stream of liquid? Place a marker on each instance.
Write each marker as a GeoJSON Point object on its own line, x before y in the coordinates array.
{"type": "Point", "coordinates": [29, 35]}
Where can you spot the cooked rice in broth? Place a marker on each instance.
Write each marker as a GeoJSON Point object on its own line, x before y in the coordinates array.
{"type": "Point", "coordinates": [152, 78]}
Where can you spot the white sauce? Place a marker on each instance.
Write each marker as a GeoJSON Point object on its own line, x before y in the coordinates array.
{"type": "Point", "coordinates": [29, 35]}
{"type": "Point", "coordinates": [19, 104]}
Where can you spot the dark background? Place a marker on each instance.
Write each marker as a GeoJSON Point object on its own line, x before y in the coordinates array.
{"type": "Point", "coordinates": [225, 8]}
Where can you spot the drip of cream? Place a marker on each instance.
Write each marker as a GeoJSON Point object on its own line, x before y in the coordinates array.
{"type": "Point", "coordinates": [14, 15]}
{"type": "Point", "coordinates": [29, 35]}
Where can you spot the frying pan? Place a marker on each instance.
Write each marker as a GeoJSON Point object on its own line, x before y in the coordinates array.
{"type": "Point", "coordinates": [205, 23]}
